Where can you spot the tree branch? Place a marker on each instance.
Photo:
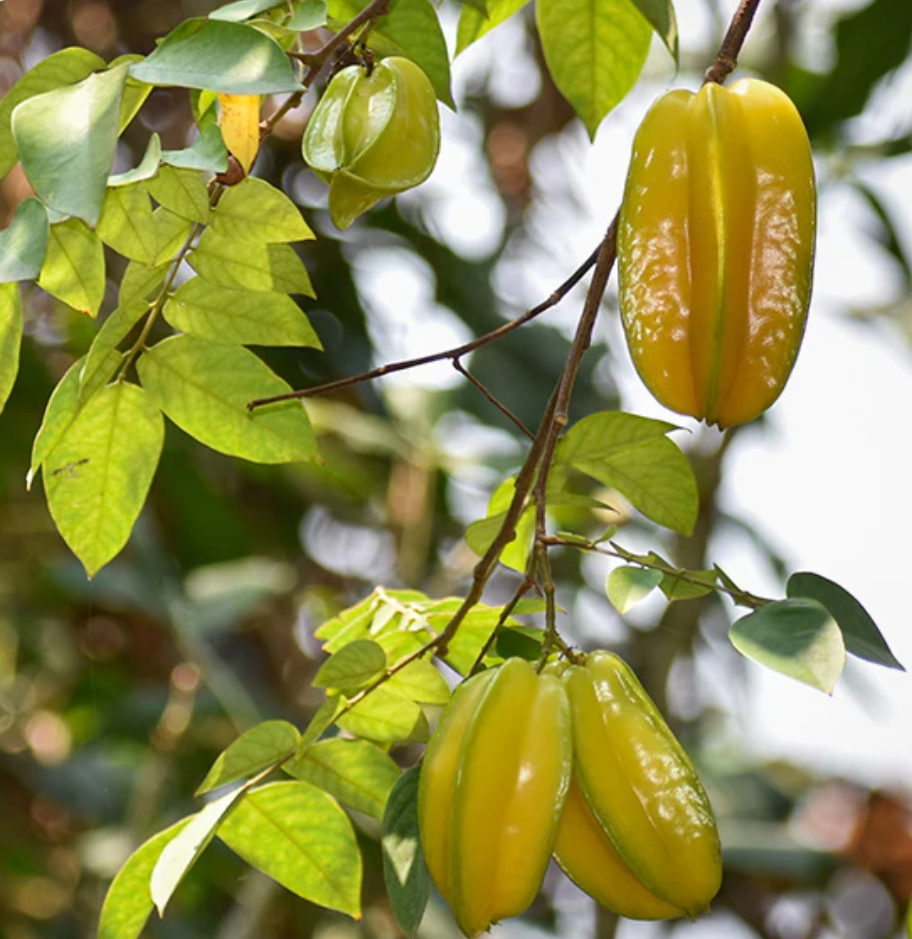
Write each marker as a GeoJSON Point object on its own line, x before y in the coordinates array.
{"type": "Point", "coordinates": [727, 56]}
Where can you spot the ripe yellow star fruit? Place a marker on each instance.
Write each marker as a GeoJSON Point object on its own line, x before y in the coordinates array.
{"type": "Point", "coordinates": [493, 785]}
{"type": "Point", "coordinates": [716, 249]}
{"type": "Point", "coordinates": [639, 833]}
{"type": "Point", "coordinates": [375, 133]}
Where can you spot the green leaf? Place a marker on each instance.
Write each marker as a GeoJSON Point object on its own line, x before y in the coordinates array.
{"type": "Point", "coordinates": [228, 58]}
{"type": "Point", "coordinates": [99, 473]}
{"type": "Point", "coordinates": [140, 282]}
{"type": "Point", "coordinates": [241, 317]}
{"type": "Point", "coordinates": [65, 403]}
{"type": "Point", "coordinates": [859, 632]}
{"type": "Point", "coordinates": [208, 153]}
{"type": "Point", "coordinates": [676, 588]}
{"type": "Point", "coordinates": [632, 454]}
{"type": "Point", "coordinates": [252, 752]}
{"type": "Point", "coordinates": [171, 233]}
{"type": "Point", "coordinates": [182, 191]}
{"type": "Point", "coordinates": [23, 245]}
{"type": "Point", "coordinates": [205, 387]}
{"type": "Point", "coordinates": [796, 637]}
{"type": "Point", "coordinates": [473, 24]}
{"type": "Point", "coordinates": [408, 884]}
{"type": "Point", "coordinates": [134, 94]}
{"type": "Point", "coordinates": [311, 14]}
{"type": "Point", "coordinates": [128, 903]}
{"type": "Point", "coordinates": [113, 331]}
{"type": "Point", "coordinates": [481, 534]}
{"type": "Point", "coordinates": [10, 339]}
{"type": "Point", "coordinates": [244, 266]}
{"type": "Point", "coordinates": [386, 717]}
{"type": "Point", "coordinates": [300, 837]}
{"type": "Point", "coordinates": [147, 168]}
{"type": "Point", "coordinates": [256, 211]}
{"type": "Point", "coordinates": [411, 29]}
{"type": "Point", "coordinates": [242, 10]}
{"type": "Point", "coordinates": [521, 642]}
{"type": "Point", "coordinates": [127, 224]}
{"type": "Point", "coordinates": [66, 140]}
{"type": "Point", "coordinates": [319, 723]}
{"type": "Point", "coordinates": [183, 851]}
{"type": "Point", "coordinates": [353, 771]}
{"type": "Point", "coordinates": [660, 14]}
{"type": "Point", "coordinates": [352, 668]}
{"type": "Point", "coordinates": [595, 50]}
{"type": "Point", "coordinates": [74, 267]}
{"type": "Point", "coordinates": [627, 586]}
{"type": "Point", "coordinates": [420, 681]}
{"type": "Point", "coordinates": [61, 68]}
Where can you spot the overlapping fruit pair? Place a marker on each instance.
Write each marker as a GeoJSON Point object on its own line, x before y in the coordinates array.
{"type": "Point", "coordinates": [576, 762]}
{"type": "Point", "coordinates": [716, 249]}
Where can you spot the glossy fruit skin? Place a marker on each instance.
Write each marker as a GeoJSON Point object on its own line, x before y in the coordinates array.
{"type": "Point", "coordinates": [372, 135]}
{"type": "Point", "coordinates": [716, 249]}
{"type": "Point", "coordinates": [643, 792]}
{"type": "Point", "coordinates": [493, 784]}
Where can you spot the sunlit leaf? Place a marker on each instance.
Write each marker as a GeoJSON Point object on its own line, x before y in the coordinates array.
{"type": "Point", "coordinates": [386, 717]}
{"type": "Point", "coordinates": [10, 339]}
{"type": "Point", "coordinates": [473, 23]}
{"type": "Point", "coordinates": [66, 139]}
{"type": "Point", "coordinates": [74, 267]}
{"type": "Point", "coordinates": [228, 58]}
{"type": "Point", "coordinates": [352, 668]}
{"type": "Point", "coordinates": [208, 153]}
{"type": "Point", "coordinates": [627, 586]}
{"type": "Point", "coordinates": [204, 387]}
{"type": "Point", "coordinates": [254, 751]}
{"type": "Point", "coordinates": [354, 771]}
{"type": "Point", "coordinates": [300, 837]}
{"type": "Point", "coordinates": [256, 211]}
{"type": "Point", "coordinates": [239, 121]}
{"type": "Point", "coordinates": [24, 244]}
{"type": "Point", "coordinates": [182, 191]}
{"type": "Point", "coordinates": [797, 637]}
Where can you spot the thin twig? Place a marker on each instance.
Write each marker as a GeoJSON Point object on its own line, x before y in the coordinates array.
{"type": "Point", "coordinates": [451, 354]}
{"type": "Point", "coordinates": [457, 364]}
{"type": "Point", "coordinates": [727, 56]}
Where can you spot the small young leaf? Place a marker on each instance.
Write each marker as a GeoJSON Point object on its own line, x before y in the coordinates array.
{"type": "Point", "coordinates": [386, 717]}
{"type": "Point", "coordinates": [182, 851]}
{"type": "Point", "coordinates": [677, 588]}
{"type": "Point", "coordinates": [182, 191]}
{"type": "Point", "coordinates": [205, 387]}
{"type": "Point", "coordinates": [208, 153]}
{"type": "Point", "coordinates": [256, 211]}
{"type": "Point", "coordinates": [860, 633]}
{"type": "Point", "coordinates": [74, 267]}
{"type": "Point", "coordinates": [797, 637]}
{"type": "Point", "coordinates": [633, 455]}
{"type": "Point", "coordinates": [354, 771]}
{"type": "Point", "coordinates": [300, 837]}
{"type": "Point", "coordinates": [10, 338]}
{"type": "Point", "coordinates": [66, 141]}
{"type": "Point", "coordinates": [239, 121]}
{"type": "Point", "coordinates": [408, 884]}
{"type": "Point", "coordinates": [24, 244]}
{"type": "Point", "coordinates": [473, 23]}
{"type": "Point", "coordinates": [127, 224]}
{"type": "Point", "coordinates": [100, 470]}
{"type": "Point", "coordinates": [251, 753]}
{"type": "Point", "coordinates": [65, 67]}
{"type": "Point", "coordinates": [147, 168]}
{"type": "Point", "coordinates": [595, 50]}
{"type": "Point", "coordinates": [627, 586]}
{"type": "Point", "coordinates": [240, 317]}
{"type": "Point", "coordinates": [228, 58]}
{"type": "Point", "coordinates": [352, 668]}
{"type": "Point", "coordinates": [128, 903]}
{"type": "Point", "coordinates": [244, 266]}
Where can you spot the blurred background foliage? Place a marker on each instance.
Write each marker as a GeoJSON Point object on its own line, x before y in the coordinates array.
{"type": "Point", "coordinates": [116, 695]}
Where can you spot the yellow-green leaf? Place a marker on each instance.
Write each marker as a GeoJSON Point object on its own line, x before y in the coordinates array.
{"type": "Point", "coordinates": [252, 752]}
{"type": "Point", "coordinates": [127, 225]}
{"type": "Point", "coordinates": [183, 191]}
{"type": "Point", "coordinates": [10, 338]}
{"type": "Point", "coordinates": [473, 24]}
{"type": "Point", "coordinates": [256, 211]}
{"type": "Point", "coordinates": [74, 268]}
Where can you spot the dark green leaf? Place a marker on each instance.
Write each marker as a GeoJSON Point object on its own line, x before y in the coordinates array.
{"type": "Point", "coordinates": [860, 633]}
{"type": "Point", "coordinates": [519, 642]}
{"type": "Point", "coordinates": [140, 282]}
{"type": "Point", "coordinates": [595, 50]}
{"type": "Point", "coordinates": [678, 588]}
{"type": "Point", "coordinates": [127, 224]}
{"type": "Point", "coordinates": [128, 902]}
{"type": "Point", "coordinates": [252, 752]}
{"type": "Point", "coordinates": [660, 14]}
{"type": "Point", "coordinates": [408, 884]}
{"type": "Point", "coordinates": [300, 837]}
{"type": "Point", "coordinates": [60, 68]}
{"type": "Point", "coordinates": [797, 637]}
{"type": "Point", "coordinates": [204, 387]}
{"type": "Point", "coordinates": [352, 668]}
{"type": "Point", "coordinates": [228, 58]}
{"type": "Point", "coordinates": [886, 233]}
{"type": "Point", "coordinates": [24, 244]}
{"type": "Point", "coordinates": [66, 139]}
{"type": "Point", "coordinates": [354, 771]}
